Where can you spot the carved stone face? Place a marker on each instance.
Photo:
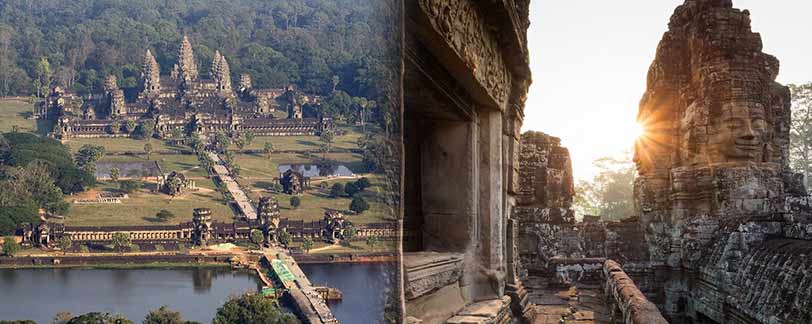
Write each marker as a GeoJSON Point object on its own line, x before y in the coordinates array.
{"type": "Point", "coordinates": [741, 132]}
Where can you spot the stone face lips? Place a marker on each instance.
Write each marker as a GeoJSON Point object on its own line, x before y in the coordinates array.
{"type": "Point", "coordinates": [717, 138]}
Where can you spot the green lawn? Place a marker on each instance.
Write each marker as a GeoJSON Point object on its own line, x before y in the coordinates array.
{"type": "Point", "coordinates": [15, 113]}
{"type": "Point", "coordinates": [320, 247]}
{"type": "Point", "coordinates": [141, 207]}
{"type": "Point", "coordinates": [124, 144]}
{"type": "Point", "coordinates": [259, 166]}
{"type": "Point", "coordinates": [309, 143]}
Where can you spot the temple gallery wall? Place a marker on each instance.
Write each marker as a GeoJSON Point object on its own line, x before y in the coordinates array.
{"type": "Point", "coordinates": [722, 228]}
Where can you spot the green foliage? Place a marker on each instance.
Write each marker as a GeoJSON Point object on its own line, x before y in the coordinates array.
{"type": "Point", "coordinates": [159, 248]}
{"type": "Point", "coordinates": [11, 217]}
{"type": "Point", "coordinates": [115, 173]}
{"type": "Point", "coordinates": [146, 130]}
{"type": "Point", "coordinates": [295, 201]}
{"type": "Point", "coordinates": [610, 193]}
{"type": "Point", "coordinates": [148, 150]}
{"type": "Point", "coordinates": [252, 308]}
{"type": "Point", "coordinates": [84, 249]}
{"type": "Point", "coordinates": [257, 237]}
{"type": "Point", "coordinates": [336, 190]}
{"type": "Point", "coordinates": [359, 205]}
{"type": "Point", "coordinates": [130, 126]}
{"type": "Point", "coordinates": [349, 233]}
{"type": "Point", "coordinates": [10, 246]}
{"type": "Point", "coordinates": [284, 237]}
{"type": "Point", "coordinates": [99, 318]}
{"type": "Point", "coordinates": [22, 148]}
{"type": "Point", "coordinates": [88, 155]}
{"type": "Point", "coordinates": [164, 215]}
{"type": "Point", "coordinates": [163, 315]}
{"type": "Point", "coordinates": [307, 244]}
{"type": "Point", "coordinates": [363, 183]}
{"type": "Point", "coordinates": [800, 147]}
{"type": "Point", "coordinates": [129, 186]}
{"type": "Point", "coordinates": [65, 243]}
{"type": "Point", "coordinates": [222, 141]}
{"type": "Point", "coordinates": [372, 241]}
{"type": "Point", "coordinates": [121, 240]}
{"type": "Point", "coordinates": [351, 189]}
{"type": "Point", "coordinates": [62, 318]}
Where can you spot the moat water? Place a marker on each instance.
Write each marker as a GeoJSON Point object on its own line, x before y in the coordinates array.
{"type": "Point", "coordinates": [39, 294]}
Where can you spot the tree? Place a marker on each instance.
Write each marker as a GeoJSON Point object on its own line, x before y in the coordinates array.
{"type": "Point", "coordinates": [147, 129]}
{"type": "Point", "coordinates": [240, 143]}
{"type": "Point", "coordinates": [249, 137]}
{"type": "Point", "coordinates": [363, 183]}
{"type": "Point", "coordinates": [222, 141]}
{"type": "Point", "coordinates": [284, 237]}
{"type": "Point", "coordinates": [372, 241]}
{"type": "Point", "coordinates": [268, 148]}
{"type": "Point", "coordinates": [326, 139]}
{"type": "Point", "coordinates": [130, 126]}
{"type": "Point", "coordinates": [129, 186]}
{"type": "Point", "coordinates": [257, 237]}
{"type": "Point", "coordinates": [43, 81]}
{"type": "Point", "coordinates": [164, 215]}
{"type": "Point", "coordinates": [100, 318]}
{"type": "Point", "coordinates": [610, 193]}
{"type": "Point", "coordinates": [163, 315]}
{"type": "Point", "coordinates": [114, 174]}
{"type": "Point", "coordinates": [62, 318]}
{"type": "Point", "coordinates": [801, 131]}
{"type": "Point", "coordinates": [88, 155]}
{"type": "Point", "coordinates": [121, 240]}
{"type": "Point", "coordinates": [65, 243]}
{"type": "Point", "coordinates": [349, 233]}
{"type": "Point", "coordinates": [359, 204]}
{"type": "Point", "coordinates": [10, 246]}
{"type": "Point", "coordinates": [307, 244]}
{"type": "Point", "coordinates": [177, 133]}
{"type": "Point", "coordinates": [351, 188]}
{"type": "Point", "coordinates": [148, 150]}
{"type": "Point", "coordinates": [252, 308]}
{"type": "Point", "coordinates": [336, 190]}
{"type": "Point", "coordinates": [295, 201]}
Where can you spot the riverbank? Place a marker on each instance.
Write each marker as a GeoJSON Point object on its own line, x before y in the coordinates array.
{"type": "Point", "coordinates": [380, 257]}
{"type": "Point", "coordinates": [116, 261]}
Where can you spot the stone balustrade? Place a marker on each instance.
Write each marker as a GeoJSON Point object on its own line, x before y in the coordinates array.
{"type": "Point", "coordinates": [625, 297]}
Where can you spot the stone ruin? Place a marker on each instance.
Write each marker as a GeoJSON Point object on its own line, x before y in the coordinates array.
{"type": "Point", "coordinates": [715, 193]}
{"type": "Point", "coordinates": [201, 218]}
{"type": "Point", "coordinates": [335, 226]}
{"type": "Point", "coordinates": [722, 231]}
{"type": "Point", "coordinates": [293, 182]}
{"type": "Point", "coordinates": [269, 218]}
{"type": "Point", "coordinates": [176, 183]}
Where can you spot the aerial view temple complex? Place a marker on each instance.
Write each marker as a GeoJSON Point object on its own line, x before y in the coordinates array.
{"type": "Point", "coordinates": [184, 101]}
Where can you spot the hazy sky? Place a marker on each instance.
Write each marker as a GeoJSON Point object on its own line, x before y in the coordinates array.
{"type": "Point", "coordinates": [590, 58]}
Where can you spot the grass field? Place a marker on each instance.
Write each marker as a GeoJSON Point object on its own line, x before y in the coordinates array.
{"type": "Point", "coordinates": [15, 113]}
{"type": "Point", "coordinates": [124, 144]}
{"type": "Point", "coordinates": [141, 207]}
{"type": "Point", "coordinates": [308, 143]}
{"type": "Point", "coordinates": [356, 247]}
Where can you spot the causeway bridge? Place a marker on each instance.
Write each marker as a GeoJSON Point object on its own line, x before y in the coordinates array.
{"type": "Point", "coordinates": [279, 270]}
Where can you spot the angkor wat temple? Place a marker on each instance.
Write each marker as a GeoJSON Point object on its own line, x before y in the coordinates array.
{"type": "Point", "coordinates": [183, 100]}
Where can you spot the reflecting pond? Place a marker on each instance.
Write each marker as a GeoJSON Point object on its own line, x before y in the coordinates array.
{"type": "Point", "coordinates": [314, 170]}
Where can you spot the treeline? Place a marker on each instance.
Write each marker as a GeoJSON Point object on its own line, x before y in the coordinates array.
{"type": "Point", "coordinates": [319, 45]}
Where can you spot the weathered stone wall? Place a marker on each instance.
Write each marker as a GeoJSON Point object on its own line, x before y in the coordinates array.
{"type": "Point", "coordinates": [715, 193]}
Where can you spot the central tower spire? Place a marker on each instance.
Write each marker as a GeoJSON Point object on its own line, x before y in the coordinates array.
{"type": "Point", "coordinates": [187, 67]}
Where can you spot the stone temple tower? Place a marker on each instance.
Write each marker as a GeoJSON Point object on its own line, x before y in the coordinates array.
{"type": "Point", "coordinates": [202, 220]}
{"type": "Point", "coordinates": [187, 67]}
{"type": "Point", "coordinates": [269, 217]}
{"type": "Point", "coordinates": [221, 74]}
{"type": "Point", "coordinates": [151, 75]}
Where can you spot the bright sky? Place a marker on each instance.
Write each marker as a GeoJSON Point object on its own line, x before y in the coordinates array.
{"type": "Point", "coordinates": [590, 58]}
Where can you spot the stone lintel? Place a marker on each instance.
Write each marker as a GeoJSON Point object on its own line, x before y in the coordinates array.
{"type": "Point", "coordinates": [426, 272]}
{"type": "Point", "coordinates": [460, 38]}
